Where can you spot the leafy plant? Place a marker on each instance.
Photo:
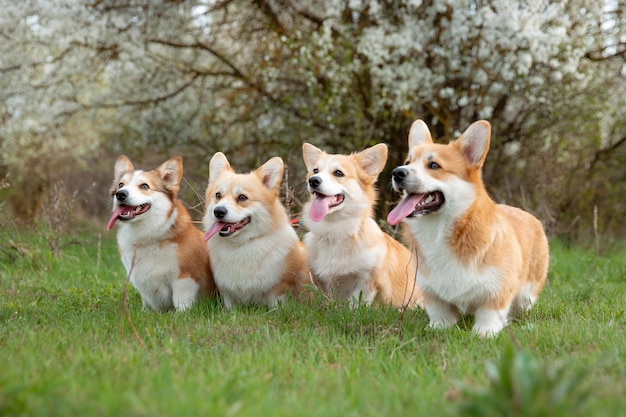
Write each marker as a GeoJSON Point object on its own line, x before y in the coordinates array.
{"type": "Point", "coordinates": [517, 385]}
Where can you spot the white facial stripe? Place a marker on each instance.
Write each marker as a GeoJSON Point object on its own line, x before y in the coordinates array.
{"type": "Point", "coordinates": [235, 213]}
{"type": "Point", "coordinates": [237, 190]}
{"type": "Point", "coordinates": [136, 178]}
{"type": "Point", "coordinates": [326, 167]}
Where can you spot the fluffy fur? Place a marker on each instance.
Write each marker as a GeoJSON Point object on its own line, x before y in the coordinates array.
{"type": "Point", "coordinates": [163, 253]}
{"type": "Point", "coordinates": [474, 256]}
{"type": "Point", "coordinates": [349, 255]}
{"type": "Point", "coordinates": [257, 256]}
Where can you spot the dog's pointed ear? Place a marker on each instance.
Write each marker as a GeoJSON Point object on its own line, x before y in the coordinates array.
{"type": "Point", "coordinates": [218, 164]}
{"type": "Point", "coordinates": [419, 134]}
{"type": "Point", "coordinates": [474, 143]}
{"type": "Point", "coordinates": [271, 173]}
{"type": "Point", "coordinates": [373, 159]}
{"type": "Point", "coordinates": [122, 165]}
{"type": "Point", "coordinates": [171, 172]}
{"type": "Point", "coordinates": [311, 155]}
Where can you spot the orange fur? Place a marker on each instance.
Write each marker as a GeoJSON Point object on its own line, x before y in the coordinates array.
{"type": "Point", "coordinates": [192, 253]}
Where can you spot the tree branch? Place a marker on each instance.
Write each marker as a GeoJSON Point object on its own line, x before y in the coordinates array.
{"type": "Point", "coordinates": [153, 100]}
{"type": "Point", "coordinates": [199, 45]}
{"type": "Point", "coordinates": [601, 153]}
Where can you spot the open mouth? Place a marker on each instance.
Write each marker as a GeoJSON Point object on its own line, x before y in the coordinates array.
{"type": "Point", "coordinates": [225, 229]}
{"type": "Point", "coordinates": [124, 213]}
{"type": "Point", "coordinates": [321, 204]}
{"type": "Point", "coordinates": [416, 205]}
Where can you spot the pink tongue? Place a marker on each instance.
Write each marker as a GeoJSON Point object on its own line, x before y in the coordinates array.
{"type": "Point", "coordinates": [114, 217]}
{"type": "Point", "coordinates": [403, 209]}
{"type": "Point", "coordinates": [215, 228]}
{"type": "Point", "coordinates": [319, 207]}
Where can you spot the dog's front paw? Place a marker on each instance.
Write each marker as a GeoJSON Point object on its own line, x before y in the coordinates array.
{"type": "Point", "coordinates": [488, 323]}
{"type": "Point", "coordinates": [184, 293]}
{"type": "Point", "coordinates": [442, 315]}
{"type": "Point", "coordinates": [441, 324]}
{"type": "Point", "coordinates": [182, 306]}
{"type": "Point", "coordinates": [485, 332]}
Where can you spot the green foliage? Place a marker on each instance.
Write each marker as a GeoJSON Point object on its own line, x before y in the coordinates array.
{"type": "Point", "coordinates": [518, 385]}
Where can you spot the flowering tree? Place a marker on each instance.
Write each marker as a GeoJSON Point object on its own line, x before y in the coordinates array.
{"type": "Point", "coordinates": [258, 78]}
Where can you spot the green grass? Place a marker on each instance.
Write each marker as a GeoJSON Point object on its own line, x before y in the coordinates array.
{"type": "Point", "coordinates": [67, 349]}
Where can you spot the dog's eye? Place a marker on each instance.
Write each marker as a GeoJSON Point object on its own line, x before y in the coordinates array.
{"type": "Point", "coordinates": [120, 185]}
{"type": "Point", "coordinates": [242, 197]}
{"type": "Point", "coordinates": [144, 186]}
{"type": "Point", "coordinates": [407, 162]}
{"type": "Point", "coordinates": [315, 170]}
{"type": "Point", "coordinates": [338, 173]}
{"type": "Point", "coordinates": [433, 165]}
{"type": "Point", "coordinates": [218, 195]}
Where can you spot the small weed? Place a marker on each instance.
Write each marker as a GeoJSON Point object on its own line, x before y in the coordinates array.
{"type": "Point", "coordinates": [517, 385]}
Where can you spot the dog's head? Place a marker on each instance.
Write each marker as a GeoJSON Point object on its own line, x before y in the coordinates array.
{"type": "Point", "coordinates": [241, 204]}
{"type": "Point", "coordinates": [440, 177]}
{"type": "Point", "coordinates": [139, 195]}
{"type": "Point", "coordinates": [342, 183]}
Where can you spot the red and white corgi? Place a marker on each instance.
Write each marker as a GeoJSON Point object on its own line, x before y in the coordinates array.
{"type": "Point", "coordinates": [256, 254]}
{"type": "Point", "coordinates": [163, 252]}
{"type": "Point", "coordinates": [350, 257]}
{"type": "Point", "coordinates": [474, 256]}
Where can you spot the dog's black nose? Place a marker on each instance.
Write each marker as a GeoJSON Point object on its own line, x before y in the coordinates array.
{"type": "Point", "coordinates": [121, 195]}
{"type": "Point", "coordinates": [399, 174]}
{"type": "Point", "coordinates": [315, 181]}
{"type": "Point", "coordinates": [220, 212]}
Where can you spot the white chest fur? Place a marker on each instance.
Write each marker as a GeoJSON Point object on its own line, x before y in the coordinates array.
{"type": "Point", "coordinates": [153, 269]}
{"type": "Point", "coordinates": [342, 262]}
{"type": "Point", "coordinates": [439, 272]}
{"type": "Point", "coordinates": [248, 273]}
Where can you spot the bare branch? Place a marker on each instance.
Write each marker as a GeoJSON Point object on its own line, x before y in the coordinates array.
{"type": "Point", "coordinates": [269, 12]}
{"type": "Point", "coordinates": [199, 45]}
{"type": "Point", "coordinates": [152, 100]}
{"type": "Point", "coordinates": [600, 55]}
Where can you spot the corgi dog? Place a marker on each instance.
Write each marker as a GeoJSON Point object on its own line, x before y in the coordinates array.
{"type": "Point", "coordinates": [474, 256]}
{"type": "Point", "coordinates": [163, 252]}
{"type": "Point", "coordinates": [257, 256]}
{"type": "Point", "coordinates": [350, 257]}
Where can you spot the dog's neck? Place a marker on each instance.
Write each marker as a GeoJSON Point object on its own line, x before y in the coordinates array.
{"type": "Point", "coordinates": [336, 230]}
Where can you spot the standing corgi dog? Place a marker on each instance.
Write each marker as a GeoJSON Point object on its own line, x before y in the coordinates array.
{"type": "Point", "coordinates": [474, 256]}
{"type": "Point", "coordinates": [350, 257]}
{"type": "Point", "coordinates": [256, 254]}
{"type": "Point", "coordinates": [163, 253]}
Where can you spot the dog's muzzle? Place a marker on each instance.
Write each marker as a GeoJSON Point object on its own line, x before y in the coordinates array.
{"type": "Point", "coordinates": [121, 195]}
{"type": "Point", "coordinates": [398, 175]}
{"type": "Point", "coordinates": [315, 182]}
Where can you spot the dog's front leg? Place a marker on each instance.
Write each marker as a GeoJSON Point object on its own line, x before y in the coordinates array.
{"type": "Point", "coordinates": [441, 313]}
{"type": "Point", "coordinates": [184, 293]}
{"type": "Point", "coordinates": [363, 294]}
{"type": "Point", "coordinates": [488, 322]}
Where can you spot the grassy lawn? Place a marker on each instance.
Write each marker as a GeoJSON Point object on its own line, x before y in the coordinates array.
{"type": "Point", "coordinates": [67, 348]}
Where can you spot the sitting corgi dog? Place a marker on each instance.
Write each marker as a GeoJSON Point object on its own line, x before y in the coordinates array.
{"type": "Point", "coordinates": [474, 256]}
{"type": "Point", "coordinates": [256, 254]}
{"type": "Point", "coordinates": [163, 253]}
{"type": "Point", "coordinates": [350, 257]}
